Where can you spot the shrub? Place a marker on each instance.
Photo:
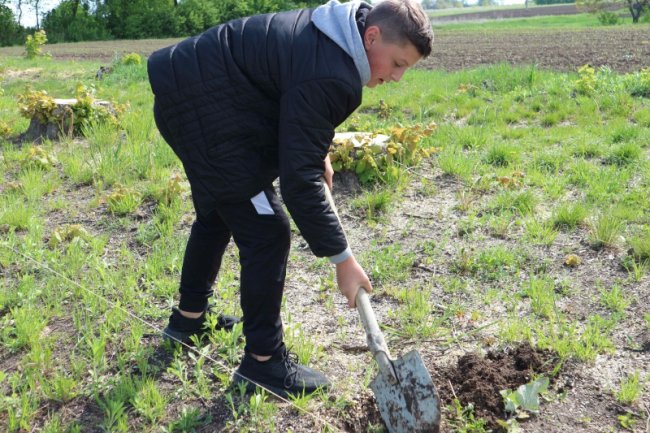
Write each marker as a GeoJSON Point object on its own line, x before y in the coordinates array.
{"type": "Point", "coordinates": [34, 44]}
{"type": "Point", "coordinates": [131, 59]}
{"type": "Point", "coordinates": [607, 18]}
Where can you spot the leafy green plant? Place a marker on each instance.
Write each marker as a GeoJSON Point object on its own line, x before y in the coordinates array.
{"type": "Point", "coordinates": [131, 59]}
{"type": "Point", "coordinates": [70, 119]}
{"type": "Point", "coordinates": [526, 397]}
{"type": "Point", "coordinates": [586, 84]}
{"type": "Point", "coordinates": [149, 401]}
{"type": "Point", "coordinates": [123, 200]}
{"type": "Point", "coordinates": [67, 234]}
{"type": "Point", "coordinates": [372, 161]}
{"type": "Point", "coordinates": [34, 44]}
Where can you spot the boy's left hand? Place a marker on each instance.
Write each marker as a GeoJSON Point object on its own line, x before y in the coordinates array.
{"type": "Point", "coordinates": [329, 172]}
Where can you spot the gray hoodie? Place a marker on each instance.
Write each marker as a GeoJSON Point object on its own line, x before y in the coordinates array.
{"type": "Point", "coordinates": [337, 21]}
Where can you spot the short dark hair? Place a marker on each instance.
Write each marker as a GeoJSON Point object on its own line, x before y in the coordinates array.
{"type": "Point", "coordinates": [401, 21]}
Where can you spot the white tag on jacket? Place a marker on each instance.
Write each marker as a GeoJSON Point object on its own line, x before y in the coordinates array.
{"type": "Point", "coordinates": [262, 205]}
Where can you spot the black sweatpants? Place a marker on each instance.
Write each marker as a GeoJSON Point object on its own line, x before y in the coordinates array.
{"type": "Point", "coordinates": [263, 243]}
{"type": "Point", "coordinates": [261, 231]}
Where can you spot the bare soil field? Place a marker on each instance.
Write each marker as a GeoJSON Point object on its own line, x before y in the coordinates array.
{"type": "Point", "coordinates": [622, 49]}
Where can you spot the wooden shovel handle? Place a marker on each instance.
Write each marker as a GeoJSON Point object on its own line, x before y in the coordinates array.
{"type": "Point", "coordinates": [375, 338]}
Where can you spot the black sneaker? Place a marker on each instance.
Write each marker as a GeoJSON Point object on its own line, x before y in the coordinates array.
{"type": "Point", "coordinates": [181, 328]}
{"type": "Point", "coordinates": [281, 374]}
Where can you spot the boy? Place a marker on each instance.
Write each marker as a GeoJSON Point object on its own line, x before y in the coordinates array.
{"type": "Point", "coordinates": [254, 99]}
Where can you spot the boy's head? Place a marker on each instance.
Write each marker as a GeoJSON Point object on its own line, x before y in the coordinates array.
{"type": "Point", "coordinates": [398, 34]}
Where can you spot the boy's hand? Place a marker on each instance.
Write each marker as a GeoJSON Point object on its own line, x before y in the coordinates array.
{"type": "Point", "coordinates": [349, 277]}
{"type": "Point", "coordinates": [329, 172]}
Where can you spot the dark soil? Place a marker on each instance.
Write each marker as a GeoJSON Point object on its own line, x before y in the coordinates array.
{"type": "Point", "coordinates": [622, 49]}
{"type": "Point", "coordinates": [478, 380]}
{"type": "Point", "coordinates": [363, 414]}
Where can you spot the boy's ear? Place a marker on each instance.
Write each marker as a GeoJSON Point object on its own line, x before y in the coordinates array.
{"type": "Point", "coordinates": [371, 36]}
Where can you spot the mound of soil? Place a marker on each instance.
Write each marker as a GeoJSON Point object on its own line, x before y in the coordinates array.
{"type": "Point", "coordinates": [478, 380]}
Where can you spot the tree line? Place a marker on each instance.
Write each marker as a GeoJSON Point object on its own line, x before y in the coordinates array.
{"type": "Point", "coordinates": [89, 20]}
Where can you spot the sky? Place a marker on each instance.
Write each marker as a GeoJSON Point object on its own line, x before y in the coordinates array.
{"type": "Point", "coordinates": [29, 16]}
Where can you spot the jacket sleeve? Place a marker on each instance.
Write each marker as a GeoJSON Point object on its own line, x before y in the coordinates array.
{"type": "Point", "coordinates": [309, 114]}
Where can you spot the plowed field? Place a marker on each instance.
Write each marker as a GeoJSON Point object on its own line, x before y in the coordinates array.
{"type": "Point", "coordinates": [623, 49]}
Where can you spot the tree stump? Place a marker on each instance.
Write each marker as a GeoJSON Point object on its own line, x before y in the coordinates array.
{"type": "Point", "coordinates": [62, 125]}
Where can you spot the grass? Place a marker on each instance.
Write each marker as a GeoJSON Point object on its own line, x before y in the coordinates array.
{"type": "Point", "coordinates": [630, 389]}
{"type": "Point", "coordinates": [541, 23]}
{"type": "Point", "coordinates": [527, 172]}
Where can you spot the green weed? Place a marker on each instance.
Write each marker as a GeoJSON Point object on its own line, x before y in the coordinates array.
{"type": "Point", "coordinates": [374, 204]}
{"type": "Point", "coordinates": [568, 216]}
{"type": "Point", "coordinates": [614, 299]}
{"type": "Point", "coordinates": [604, 231]}
{"type": "Point", "coordinates": [631, 389]}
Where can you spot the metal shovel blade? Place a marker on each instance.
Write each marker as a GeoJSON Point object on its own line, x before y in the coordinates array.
{"type": "Point", "coordinates": [411, 404]}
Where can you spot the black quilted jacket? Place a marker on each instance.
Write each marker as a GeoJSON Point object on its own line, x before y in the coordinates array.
{"type": "Point", "coordinates": [254, 99]}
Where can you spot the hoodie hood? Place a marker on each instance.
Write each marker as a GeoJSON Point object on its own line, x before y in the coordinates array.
{"type": "Point", "coordinates": [338, 22]}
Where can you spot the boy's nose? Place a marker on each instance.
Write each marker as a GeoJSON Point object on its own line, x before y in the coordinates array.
{"type": "Point", "coordinates": [397, 75]}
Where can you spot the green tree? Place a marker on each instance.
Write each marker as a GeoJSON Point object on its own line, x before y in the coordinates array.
{"type": "Point", "coordinates": [12, 33]}
{"type": "Point", "coordinates": [636, 7]}
{"type": "Point", "coordinates": [72, 21]}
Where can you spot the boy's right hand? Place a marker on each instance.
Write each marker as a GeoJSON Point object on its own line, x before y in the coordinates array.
{"type": "Point", "coordinates": [349, 277]}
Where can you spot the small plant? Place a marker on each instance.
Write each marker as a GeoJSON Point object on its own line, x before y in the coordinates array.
{"type": "Point", "coordinates": [115, 416]}
{"type": "Point", "coordinates": [586, 84]}
{"type": "Point", "coordinates": [374, 204]}
{"type": "Point", "coordinates": [172, 190]}
{"type": "Point", "coordinates": [614, 299]}
{"type": "Point", "coordinates": [68, 234]}
{"type": "Point", "coordinates": [131, 59]}
{"type": "Point", "coordinates": [631, 389]}
{"type": "Point", "coordinates": [639, 83]}
{"type": "Point", "coordinates": [604, 231]}
{"type": "Point", "coordinates": [34, 44]}
{"type": "Point", "coordinates": [149, 401]}
{"type": "Point", "coordinates": [525, 398]}
{"type": "Point", "coordinates": [541, 292]}
{"type": "Point", "coordinates": [5, 129]}
{"type": "Point", "coordinates": [39, 158]}
{"type": "Point", "coordinates": [123, 201]}
{"type": "Point", "coordinates": [501, 155]}
{"type": "Point", "coordinates": [463, 420]}
{"type": "Point", "coordinates": [569, 216]}
{"type": "Point", "coordinates": [640, 247]}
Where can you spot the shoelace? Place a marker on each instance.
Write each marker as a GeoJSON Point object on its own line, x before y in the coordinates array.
{"type": "Point", "coordinates": [290, 362]}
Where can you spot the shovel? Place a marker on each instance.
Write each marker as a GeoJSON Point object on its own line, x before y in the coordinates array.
{"type": "Point", "coordinates": [405, 394]}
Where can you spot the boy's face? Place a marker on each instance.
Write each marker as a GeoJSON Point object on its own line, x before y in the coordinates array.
{"type": "Point", "coordinates": [388, 61]}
